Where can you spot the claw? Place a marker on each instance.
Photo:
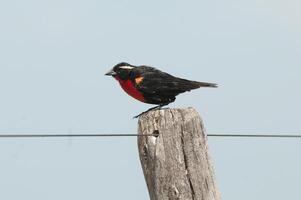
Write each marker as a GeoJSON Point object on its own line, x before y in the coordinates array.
{"type": "Point", "coordinates": [135, 117]}
{"type": "Point", "coordinates": [153, 108]}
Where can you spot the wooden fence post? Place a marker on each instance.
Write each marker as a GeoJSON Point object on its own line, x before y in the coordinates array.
{"type": "Point", "coordinates": [176, 164]}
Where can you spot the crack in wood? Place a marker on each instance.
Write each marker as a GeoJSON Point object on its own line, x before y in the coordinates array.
{"type": "Point", "coordinates": [187, 170]}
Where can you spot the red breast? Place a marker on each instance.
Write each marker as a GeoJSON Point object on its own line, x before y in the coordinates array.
{"type": "Point", "coordinates": [129, 87]}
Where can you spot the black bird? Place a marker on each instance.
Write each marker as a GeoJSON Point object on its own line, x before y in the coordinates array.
{"type": "Point", "coordinates": [150, 85]}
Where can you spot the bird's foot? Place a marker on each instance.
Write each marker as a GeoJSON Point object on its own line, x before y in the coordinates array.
{"type": "Point", "coordinates": [135, 117]}
{"type": "Point", "coordinates": [153, 108]}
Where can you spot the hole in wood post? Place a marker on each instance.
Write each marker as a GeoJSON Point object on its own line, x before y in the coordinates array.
{"type": "Point", "coordinates": [156, 133]}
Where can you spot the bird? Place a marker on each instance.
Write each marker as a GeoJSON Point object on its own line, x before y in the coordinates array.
{"type": "Point", "coordinates": [152, 86]}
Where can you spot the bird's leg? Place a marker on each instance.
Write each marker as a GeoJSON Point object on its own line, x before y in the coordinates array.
{"type": "Point", "coordinates": [153, 108]}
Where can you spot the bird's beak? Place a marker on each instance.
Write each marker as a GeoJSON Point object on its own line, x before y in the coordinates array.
{"type": "Point", "coordinates": [110, 73]}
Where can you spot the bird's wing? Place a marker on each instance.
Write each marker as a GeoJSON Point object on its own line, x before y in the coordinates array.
{"type": "Point", "coordinates": [155, 81]}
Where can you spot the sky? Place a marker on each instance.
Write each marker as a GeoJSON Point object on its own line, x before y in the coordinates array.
{"type": "Point", "coordinates": [53, 58]}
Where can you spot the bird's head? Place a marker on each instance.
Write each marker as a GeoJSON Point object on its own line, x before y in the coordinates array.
{"type": "Point", "coordinates": [122, 71]}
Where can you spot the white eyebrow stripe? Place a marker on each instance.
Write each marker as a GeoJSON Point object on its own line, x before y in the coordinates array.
{"type": "Point", "coordinates": [126, 67]}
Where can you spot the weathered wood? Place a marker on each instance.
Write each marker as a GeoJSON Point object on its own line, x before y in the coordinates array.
{"type": "Point", "coordinates": [176, 164]}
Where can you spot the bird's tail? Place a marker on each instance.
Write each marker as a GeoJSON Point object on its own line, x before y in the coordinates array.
{"type": "Point", "coordinates": [187, 85]}
{"type": "Point", "coordinates": [204, 84]}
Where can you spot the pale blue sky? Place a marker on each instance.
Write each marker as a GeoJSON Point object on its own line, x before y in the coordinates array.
{"type": "Point", "coordinates": [53, 57]}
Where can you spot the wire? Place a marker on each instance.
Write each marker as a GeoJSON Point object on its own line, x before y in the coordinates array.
{"type": "Point", "coordinates": [142, 135]}
{"type": "Point", "coordinates": [255, 135]}
{"type": "Point", "coordinates": [71, 135]}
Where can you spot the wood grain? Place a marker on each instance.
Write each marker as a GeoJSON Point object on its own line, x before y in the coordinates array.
{"type": "Point", "coordinates": [176, 164]}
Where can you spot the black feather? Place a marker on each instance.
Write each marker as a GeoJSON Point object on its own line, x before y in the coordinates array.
{"type": "Point", "coordinates": [160, 87]}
